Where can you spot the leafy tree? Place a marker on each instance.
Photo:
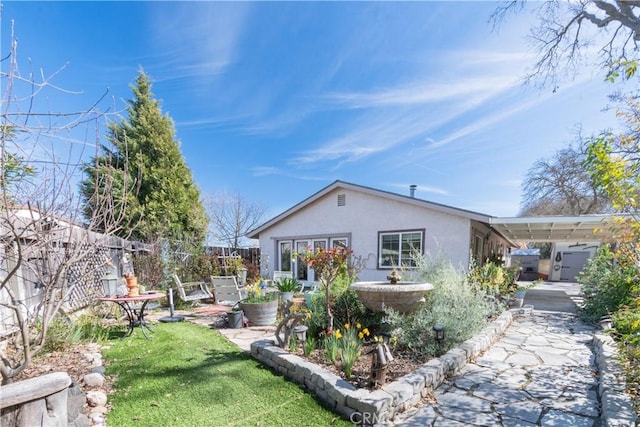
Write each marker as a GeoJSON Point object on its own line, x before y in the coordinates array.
{"type": "Point", "coordinates": [561, 186]}
{"type": "Point", "coordinates": [567, 32]}
{"type": "Point", "coordinates": [328, 265]}
{"type": "Point", "coordinates": [613, 161]}
{"type": "Point", "coordinates": [164, 200]}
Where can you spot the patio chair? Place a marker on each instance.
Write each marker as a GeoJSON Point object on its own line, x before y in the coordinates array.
{"type": "Point", "coordinates": [309, 285]}
{"type": "Point", "coordinates": [277, 275]}
{"type": "Point", "coordinates": [226, 290]}
{"type": "Point", "coordinates": [191, 291]}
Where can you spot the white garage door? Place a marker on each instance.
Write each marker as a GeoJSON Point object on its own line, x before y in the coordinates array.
{"type": "Point", "coordinates": [572, 264]}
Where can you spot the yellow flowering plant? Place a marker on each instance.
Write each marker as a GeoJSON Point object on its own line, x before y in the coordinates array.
{"type": "Point", "coordinates": [345, 344]}
{"type": "Point", "coordinates": [256, 293]}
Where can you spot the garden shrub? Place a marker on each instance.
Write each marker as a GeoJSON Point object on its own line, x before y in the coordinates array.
{"type": "Point", "coordinates": [608, 283]}
{"type": "Point", "coordinates": [627, 333]}
{"type": "Point", "coordinates": [64, 331]}
{"type": "Point", "coordinates": [317, 323]}
{"type": "Point", "coordinates": [493, 278]}
{"type": "Point", "coordinates": [201, 267]}
{"type": "Point", "coordinates": [454, 302]}
{"type": "Point", "coordinates": [348, 309]}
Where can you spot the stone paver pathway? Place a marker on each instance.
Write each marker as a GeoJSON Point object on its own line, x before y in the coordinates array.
{"type": "Point", "coordinates": [540, 373]}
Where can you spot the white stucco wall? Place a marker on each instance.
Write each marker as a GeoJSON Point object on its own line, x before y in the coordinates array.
{"type": "Point", "coordinates": [560, 247]}
{"type": "Point", "coordinates": [362, 217]}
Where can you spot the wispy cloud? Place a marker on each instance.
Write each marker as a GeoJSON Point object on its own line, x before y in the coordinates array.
{"type": "Point", "coordinates": [422, 93]}
{"type": "Point", "coordinates": [197, 41]}
{"type": "Point", "coordinates": [498, 115]}
{"type": "Point", "coordinates": [265, 171]}
{"type": "Point", "coordinates": [396, 115]}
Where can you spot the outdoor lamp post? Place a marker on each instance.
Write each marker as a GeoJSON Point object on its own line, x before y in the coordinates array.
{"type": "Point", "coordinates": [301, 333]}
{"type": "Point", "coordinates": [438, 330]}
{"type": "Point", "coordinates": [110, 285]}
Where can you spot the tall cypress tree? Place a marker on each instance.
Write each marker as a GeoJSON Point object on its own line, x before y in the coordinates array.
{"type": "Point", "coordinates": [145, 164]}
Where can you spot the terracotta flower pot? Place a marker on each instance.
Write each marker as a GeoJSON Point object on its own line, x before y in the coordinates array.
{"type": "Point", "coordinates": [132, 285]}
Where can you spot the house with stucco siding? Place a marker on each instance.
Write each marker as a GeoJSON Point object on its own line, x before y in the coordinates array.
{"type": "Point", "coordinates": [382, 228]}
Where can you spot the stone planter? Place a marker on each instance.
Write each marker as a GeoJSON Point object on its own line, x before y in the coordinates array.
{"type": "Point", "coordinates": [404, 297]}
{"type": "Point", "coordinates": [261, 313]}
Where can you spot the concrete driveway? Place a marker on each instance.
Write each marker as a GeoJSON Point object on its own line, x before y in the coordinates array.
{"type": "Point", "coordinates": [554, 296]}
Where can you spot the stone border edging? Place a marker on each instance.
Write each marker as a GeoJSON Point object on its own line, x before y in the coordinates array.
{"type": "Point", "coordinates": [617, 408]}
{"type": "Point", "coordinates": [370, 407]}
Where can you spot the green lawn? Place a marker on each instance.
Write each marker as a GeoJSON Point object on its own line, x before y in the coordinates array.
{"type": "Point", "coordinates": [189, 375]}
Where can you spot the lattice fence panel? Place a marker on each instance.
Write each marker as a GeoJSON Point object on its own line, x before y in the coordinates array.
{"type": "Point", "coordinates": [86, 276]}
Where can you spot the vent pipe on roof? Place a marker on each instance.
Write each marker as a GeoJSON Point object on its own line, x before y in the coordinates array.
{"type": "Point", "coordinates": [412, 190]}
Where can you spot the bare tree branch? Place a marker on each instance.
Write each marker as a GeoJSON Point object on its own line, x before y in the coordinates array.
{"type": "Point", "coordinates": [50, 261]}
{"type": "Point", "coordinates": [566, 29]}
{"type": "Point", "coordinates": [231, 217]}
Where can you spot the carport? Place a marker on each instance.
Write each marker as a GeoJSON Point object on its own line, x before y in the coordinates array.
{"type": "Point", "coordinates": [567, 231]}
{"type": "Point", "coordinates": [579, 228]}
{"type": "Point", "coordinates": [575, 238]}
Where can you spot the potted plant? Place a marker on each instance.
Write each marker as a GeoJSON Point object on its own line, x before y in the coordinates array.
{"type": "Point", "coordinates": [286, 286]}
{"type": "Point", "coordinates": [260, 307]}
{"type": "Point", "coordinates": [235, 317]}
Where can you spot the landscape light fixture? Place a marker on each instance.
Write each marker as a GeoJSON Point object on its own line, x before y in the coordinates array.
{"type": "Point", "coordinates": [301, 333]}
{"type": "Point", "coordinates": [438, 330]}
{"type": "Point", "coordinates": [606, 323]}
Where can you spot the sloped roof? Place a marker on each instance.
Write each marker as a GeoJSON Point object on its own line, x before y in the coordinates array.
{"type": "Point", "coordinates": [523, 229]}
{"type": "Point", "coordinates": [254, 234]}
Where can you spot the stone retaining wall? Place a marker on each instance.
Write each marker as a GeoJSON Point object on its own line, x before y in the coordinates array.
{"type": "Point", "coordinates": [616, 403]}
{"type": "Point", "coordinates": [365, 407]}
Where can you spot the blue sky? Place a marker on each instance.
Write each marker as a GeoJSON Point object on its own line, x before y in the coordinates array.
{"type": "Point", "coordinates": [276, 100]}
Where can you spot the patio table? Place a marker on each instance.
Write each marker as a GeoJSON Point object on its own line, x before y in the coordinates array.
{"type": "Point", "coordinates": [134, 311]}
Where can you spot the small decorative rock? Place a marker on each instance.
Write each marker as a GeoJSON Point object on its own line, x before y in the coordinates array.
{"type": "Point", "coordinates": [526, 310]}
{"type": "Point", "coordinates": [94, 380]}
{"type": "Point", "coordinates": [99, 410]}
{"type": "Point", "coordinates": [96, 398]}
{"type": "Point", "coordinates": [98, 419]}
{"type": "Point", "coordinates": [98, 370]}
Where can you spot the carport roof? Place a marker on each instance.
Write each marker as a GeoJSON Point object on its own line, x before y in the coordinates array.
{"type": "Point", "coordinates": [556, 228]}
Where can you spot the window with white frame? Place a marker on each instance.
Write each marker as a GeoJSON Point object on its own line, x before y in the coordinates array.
{"type": "Point", "coordinates": [287, 250]}
{"type": "Point", "coordinates": [395, 248]}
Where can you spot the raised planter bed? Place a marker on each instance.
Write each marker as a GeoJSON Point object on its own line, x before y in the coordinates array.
{"type": "Point", "coordinates": [368, 407]}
